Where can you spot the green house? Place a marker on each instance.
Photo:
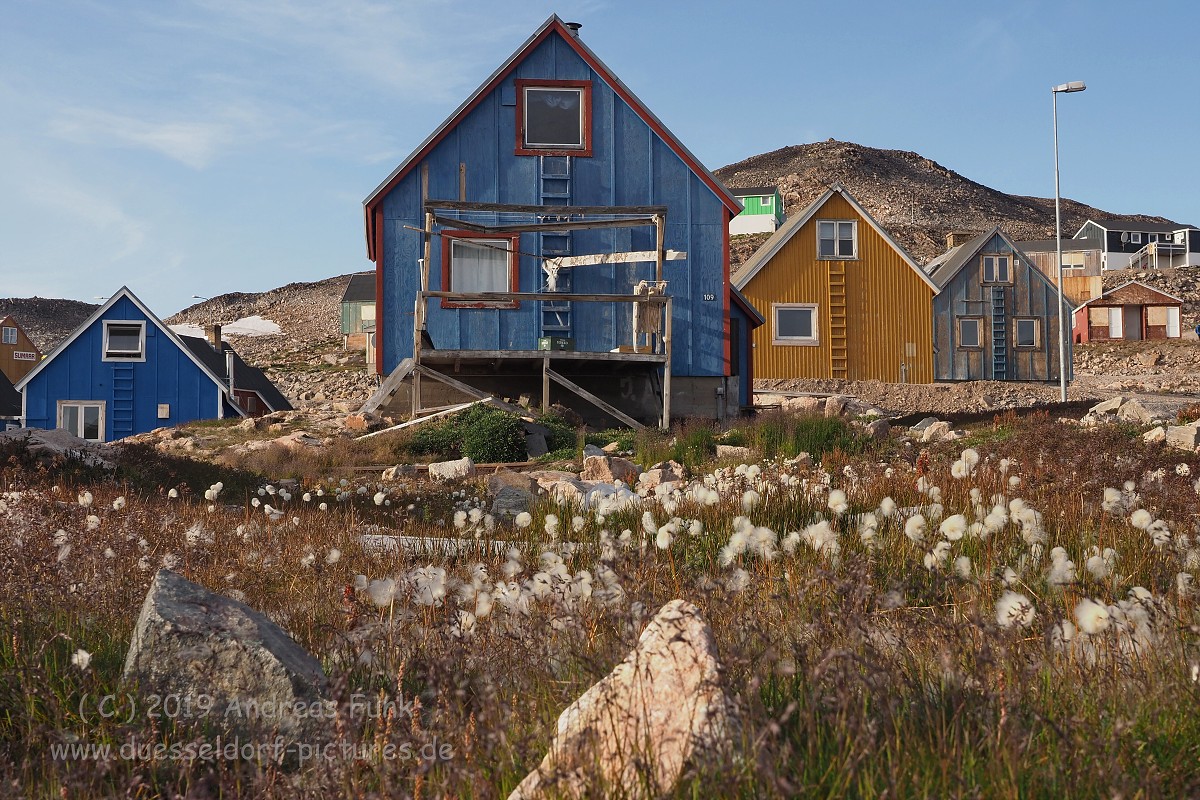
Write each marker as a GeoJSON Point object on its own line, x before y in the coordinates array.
{"type": "Point", "coordinates": [358, 310]}
{"type": "Point", "coordinates": [763, 210]}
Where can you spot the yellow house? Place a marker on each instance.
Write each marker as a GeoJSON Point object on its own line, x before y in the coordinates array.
{"type": "Point", "coordinates": [842, 299]}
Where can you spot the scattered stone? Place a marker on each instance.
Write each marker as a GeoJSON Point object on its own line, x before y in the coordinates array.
{"type": "Point", "coordinates": [510, 501]}
{"type": "Point", "coordinates": [397, 472]}
{"type": "Point", "coordinates": [731, 451]}
{"type": "Point", "coordinates": [1109, 406]}
{"type": "Point", "coordinates": [452, 470]}
{"type": "Point", "coordinates": [1151, 358]}
{"type": "Point", "coordinates": [608, 469]}
{"type": "Point", "coordinates": [923, 424]}
{"type": "Point", "coordinates": [936, 432]}
{"type": "Point", "coordinates": [835, 405]}
{"type": "Point", "coordinates": [659, 710]}
{"type": "Point", "coordinates": [879, 429]}
{"type": "Point", "coordinates": [1182, 436]}
{"type": "Point", "coordinates": [592, 450]}
{"type": "Point", "coordinates": [535, 445]}
{"type": "Point", "coordinates": [190, 642]}
{"type": "Point", "coordinates": [801, 460]}
{"type": "Point", "coordinates": [803, 405]}
{"type": "Point", "coordinates": [508, 479]}
{"type": "Point", "coordinates": [363, 421]}
{"type": "Point", "coordinates": [611, 447]}
{"type": "Point", "coordinates": [49, 445]}
{"type": "Point", "coordinates": [1133, 411]}
{"type": "Point", "coordinates": [1153, 435]}
{"type": "Point", "coordinates": [248, 424]}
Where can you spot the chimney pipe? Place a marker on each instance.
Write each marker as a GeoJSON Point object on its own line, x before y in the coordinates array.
{"type": "Point", "coordinates": [214, 336]}
{"type": "Point", "coordinates": [574, 27]}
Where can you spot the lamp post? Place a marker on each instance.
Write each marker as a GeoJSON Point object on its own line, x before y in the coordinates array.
{"type": "Point", "coordinates": [1064, 88]}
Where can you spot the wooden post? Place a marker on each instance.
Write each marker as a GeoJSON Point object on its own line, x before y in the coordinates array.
{"type": "Point", "coordinates": [420, 311]}
{"type": "Point", "coordinates": [660, 226]}
{"type": "Point", "coordinates": [666, 415]}
{"type": "Point", "coordinates": [546, 384]}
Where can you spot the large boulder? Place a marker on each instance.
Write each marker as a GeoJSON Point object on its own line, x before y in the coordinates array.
{"type": "Point", "coordinates": [937, 432]}
{"type": "Point", "coordinates": [803, 405]}
{"type": "Point", "coordinates": [452, 470]}
{"type": "Point", "coordinates": [731, 451]}
{"type": "Point", "coordinates": [1183, 436]}
{"type": "Point", "coordinates": [1134, 412]}
{"type": "Point", "coordinates": [608, 469]}
{"type": "Point", "coordinates": [633, 733]}
{"type": "Point", "coordinates": [231, 667]}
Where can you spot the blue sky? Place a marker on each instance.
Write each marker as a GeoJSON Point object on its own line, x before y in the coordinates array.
{"type": "Point", "coordinates": [226, 145]}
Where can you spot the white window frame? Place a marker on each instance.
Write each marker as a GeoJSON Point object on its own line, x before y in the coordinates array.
{"type": "Point", "coordinates": [1135, 238]}
{"type": "Point", "coordinates": [978, 333]}
{"type": "Point", "coordinates": [81, 405]}
{"type": "Point", "coordinates": [803, 341]}
{"type": "Point", "coordinates": [8, 335]}
{"type": "Point", "coordinates": [766, 201]}
{"type": "Point", "coordinates": [837, 229]}
{"type": "Point", "coordinates": [108, 354]}
{"type": "Point", "coordinates": [1037, 333]}
{"type": "Point", "coordinates": [1008, 268]}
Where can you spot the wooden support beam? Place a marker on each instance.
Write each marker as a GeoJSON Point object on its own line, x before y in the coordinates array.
{"type": "Point", "coordinates": [635, 256]}
{"type": "Point", "coordinates": [419, 420]}
{"type": "Point", "coordinates": [666, 414]}
{"type": "Point", "coordinates": [501, 297]}
{"type": "Point", "coordinates": [467, 389]}
{"type": "Point", "coordinates": [594, 400]}
{"type": "Point", "coordinates": [546, 385]}
{"type": "Point", "coordinates": [660, 225]}
{"type": "Point", "coordinates": [543, 211]}
{"type": "Point", "coordinates": [388, 387]}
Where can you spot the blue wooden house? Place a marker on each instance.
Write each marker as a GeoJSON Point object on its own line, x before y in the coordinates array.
{"type": "Point", "coordinates": [996, 316]}
{"type": "Point", "coordinates": [124, 372]}
{"type": "Point", "coordinates": [509, 247]}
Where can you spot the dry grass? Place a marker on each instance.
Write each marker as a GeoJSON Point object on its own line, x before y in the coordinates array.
{"type": "Point", "coordinates": [861, 673]}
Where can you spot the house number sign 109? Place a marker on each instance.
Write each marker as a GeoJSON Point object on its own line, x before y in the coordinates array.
{"type": "Point", "coordinates": [709, 296]}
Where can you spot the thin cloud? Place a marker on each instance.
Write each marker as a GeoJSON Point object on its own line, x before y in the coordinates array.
{"type": "Point", "coordinates": [193, 143]}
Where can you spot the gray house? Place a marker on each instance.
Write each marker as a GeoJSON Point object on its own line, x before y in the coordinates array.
{"type": "Point", "coordinates": [995, 316]}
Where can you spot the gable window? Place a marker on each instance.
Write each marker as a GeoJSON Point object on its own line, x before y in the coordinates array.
{"type": "Point", "coordinates": [1027, 333]}
{"type": "Point", "coordinates": [970, 332]}
{"type": "Point", "coordinates": [554, 117]}
{"type": "Point", "coordinates": [479, 262]}
{"type": "Point", "coordinates": [795, 323]}
{"type": "Point", "coordinates": [9, 335]}
{"type": "Point", "coordinates": [996, 269]}
{"type": "Point", "coordinates": [84, 419]}
{"type": "Point", "coordinates": [124, 341]}
{"type": "Point", "coordinates": [837, 239]}
{"type": "Point", "coordinates": [765, 202]}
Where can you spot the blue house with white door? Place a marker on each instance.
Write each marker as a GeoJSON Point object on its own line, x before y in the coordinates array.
{"type": "Point", "coordinates": [120, 373]}
{"type": "Point", "coordinates": [554, 140]}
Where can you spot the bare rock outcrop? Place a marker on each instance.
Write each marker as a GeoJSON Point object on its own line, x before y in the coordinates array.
{"type": "Point", "coordinates": [633, 733]}
{"type": "Point", "coordinates": [230, 666]}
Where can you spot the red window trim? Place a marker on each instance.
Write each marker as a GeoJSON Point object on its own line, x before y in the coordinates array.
{"type": "Point", "coordinates": [514, 263]}
{"type": "Point", "coordinates": [583, 152]}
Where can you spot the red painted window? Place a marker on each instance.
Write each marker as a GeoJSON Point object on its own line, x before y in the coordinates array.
{"type": "Point", "coordinates": [554, 118]}
{"type": "Point", "coordinates": [480, 262]}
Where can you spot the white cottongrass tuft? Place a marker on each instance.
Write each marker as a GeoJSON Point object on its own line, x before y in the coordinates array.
{"type": "Point", "coordinates": [1062, 568]}
{"type": "Point", "coordinates": [81, 658]}
{"type": "Point", "coordinates": [85, 500]}
{"type": "Point", "coordinates": [837, 502]}
{"type": "Point", "coordinates": [962, 567]}
{"type": "Point", "coordinates": [887, 507]}
{"type": "Point", "coordinates": [750, 499]}
{"type": "Point", "coordinates": [119, 503]}
{"type": "Point", "coordinates": [382, 592]}
{"type": "Point", "coordinates": [1014, 609]}
{"type": "Point", "coordinates": [1091, 616]}
{"type": "Point", "coordinates": [1100, 565]}
{"type": "Point", "coordinates": [333, 556]}
{"type": "Point", "coordinates": [1141, 519]}
{"type": "Point", "coordinates": [523, 520]}
{"type": "Point", "coordinates": [379, 498]}
{"type": "Point", "coordinates": [914, 528]}
{"type": "Point", "coordinates": [822, 539]}
{"type": "Point", "coordinates": [953, 527]}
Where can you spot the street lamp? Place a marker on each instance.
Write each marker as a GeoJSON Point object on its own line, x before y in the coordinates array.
{"type": "Point", "coordinates": [1063, 88]}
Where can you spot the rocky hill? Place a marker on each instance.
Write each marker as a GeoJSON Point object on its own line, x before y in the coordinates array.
{"type": "Point", "coordinates": [305, 359]}
{"type": "Point", "coordinates": [915, 198]}
{"type": "Point", "coordinates": [45, 320]}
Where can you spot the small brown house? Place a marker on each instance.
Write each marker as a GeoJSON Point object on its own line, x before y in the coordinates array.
{"type": "Point", "coordinates": [1132, 311]}
{"type": "Point", "coordinates": [18, 354]}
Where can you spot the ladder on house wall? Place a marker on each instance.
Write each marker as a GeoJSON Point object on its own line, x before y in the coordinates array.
{"type": "Point", "coordinates": [999, 335]}
{"type": "Point", "coordinates": [837, 319]}
{"type": "Point", "coordinates": [554, 184]}
{"type": "Point", "coordinates": [122, 401]}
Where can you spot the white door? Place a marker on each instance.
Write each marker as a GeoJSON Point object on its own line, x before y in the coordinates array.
{"type": "Point", "coordinates": [1116, 323]}
{"type": "Point", "coordinates": [1172, 322]}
